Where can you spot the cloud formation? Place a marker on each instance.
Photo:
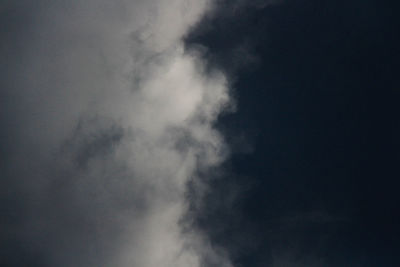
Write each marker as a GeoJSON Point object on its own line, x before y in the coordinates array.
{"type": "Point", "coordinates": [107, 118]}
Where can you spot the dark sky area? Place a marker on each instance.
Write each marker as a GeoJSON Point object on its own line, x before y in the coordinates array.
{"type": "Point", "coordinates": [318, 102]}
{"type": "Point", "coordinates": [193, 133]}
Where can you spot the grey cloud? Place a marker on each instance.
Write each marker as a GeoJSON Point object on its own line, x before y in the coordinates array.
{"type": "Point", "coordinates": [85, 144]}
{"type": "Point", "coordinates": [107, 118]}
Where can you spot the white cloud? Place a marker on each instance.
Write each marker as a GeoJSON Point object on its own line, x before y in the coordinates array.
{"type": "Point", "coordinates": [114, 118]}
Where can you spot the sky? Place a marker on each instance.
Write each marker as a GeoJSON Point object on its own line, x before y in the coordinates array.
{"type": "Point", "coordinates": [199, 133]}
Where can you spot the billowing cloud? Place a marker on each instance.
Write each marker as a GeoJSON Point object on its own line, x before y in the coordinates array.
{"type": "Point", "coordinates": [106, 119]}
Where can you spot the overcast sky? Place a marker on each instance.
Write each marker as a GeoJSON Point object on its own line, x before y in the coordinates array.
{"type": "Point", "coordinates": [199, 133]}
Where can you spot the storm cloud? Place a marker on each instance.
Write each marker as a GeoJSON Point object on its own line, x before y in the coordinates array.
{"type": "Point", "coordinates": [106, 117]}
